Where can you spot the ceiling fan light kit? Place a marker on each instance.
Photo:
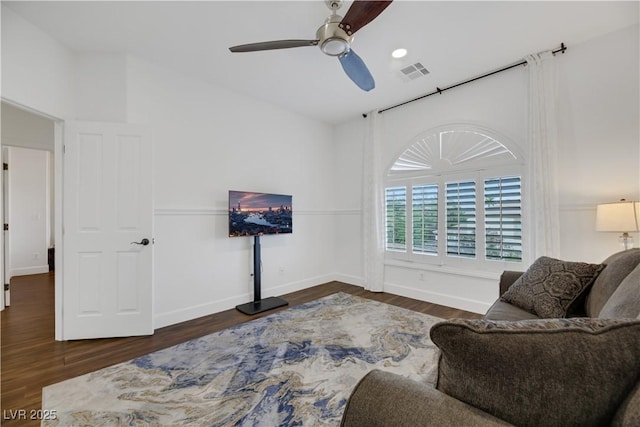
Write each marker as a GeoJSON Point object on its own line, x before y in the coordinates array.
{"type": "Point", "coordinates": [334, 38]}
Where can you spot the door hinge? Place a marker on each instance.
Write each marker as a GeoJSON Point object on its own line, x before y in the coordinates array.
{"type": "Point", "coordinates": [6, 227]}
{"type": "Point", "coordinates": [5, 166]}
{"type": "Point", "coordinates": [6, 287]}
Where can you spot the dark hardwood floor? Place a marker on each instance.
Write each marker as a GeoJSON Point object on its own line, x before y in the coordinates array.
{"type": "Point", "coordinates": [32, 359]}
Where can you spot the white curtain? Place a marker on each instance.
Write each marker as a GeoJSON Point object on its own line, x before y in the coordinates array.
{"type": "Point", "coordinates": [372, 207]}
{"type": "Point", "coordinates": [542, 159]}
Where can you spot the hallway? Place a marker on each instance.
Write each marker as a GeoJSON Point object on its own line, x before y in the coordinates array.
{"type": "Point", "coordinates": [27, 334]}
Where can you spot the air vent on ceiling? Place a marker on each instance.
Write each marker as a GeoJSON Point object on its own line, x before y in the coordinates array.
{"type": "Point", "coordinates": [413, 72]}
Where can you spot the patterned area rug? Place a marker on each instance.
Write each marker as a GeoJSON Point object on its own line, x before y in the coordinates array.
{"type": "Point", "coordinates": [294, 367]}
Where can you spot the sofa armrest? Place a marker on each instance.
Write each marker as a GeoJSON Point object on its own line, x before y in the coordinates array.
{"type": "Point", "coordinates": [385, 399]}
{"type": "Point", "coordinates": [507, 278]}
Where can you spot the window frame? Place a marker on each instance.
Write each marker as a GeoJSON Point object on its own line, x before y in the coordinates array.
{"type": "Point", "coordinates": [478, 172]}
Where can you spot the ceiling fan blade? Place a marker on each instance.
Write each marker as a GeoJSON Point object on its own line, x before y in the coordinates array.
{"type": "Point", "coordinates": [271, 45]}
{"type": "Point", "coordinates": [361, 13]}
{"type": "Point", "coordinates": [357, 71]}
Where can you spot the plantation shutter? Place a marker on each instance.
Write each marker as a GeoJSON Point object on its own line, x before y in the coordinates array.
{"type": "Point", "coordinates": [503, 218]}
{"type": "Point", "coordinates": [395, 218]}
{"type": "Point", "coordinates": [461, 218]}
{"type": "Point", "coordinates": [425, 219]}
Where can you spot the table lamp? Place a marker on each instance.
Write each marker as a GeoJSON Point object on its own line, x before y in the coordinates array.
{"type": "Point", "coordinates": [622, 216]}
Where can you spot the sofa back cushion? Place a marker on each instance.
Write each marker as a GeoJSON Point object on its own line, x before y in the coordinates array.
{"type": "Point", "coordinates": [625, 301]}
{"type": "Point", "coordinates": [574, 371]}
{"type": "Point", "coordinates": [617, 267]}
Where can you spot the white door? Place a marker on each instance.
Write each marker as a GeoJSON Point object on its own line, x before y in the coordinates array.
{"type": "Point", "coordinates": [107, 219]}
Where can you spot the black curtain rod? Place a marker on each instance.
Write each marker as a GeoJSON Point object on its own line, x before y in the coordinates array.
{"type": "Point", "coordinates": [439, 91]}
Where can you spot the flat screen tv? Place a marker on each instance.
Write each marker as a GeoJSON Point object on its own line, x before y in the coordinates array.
{"type": "Point", "coordinates": [257, 214]}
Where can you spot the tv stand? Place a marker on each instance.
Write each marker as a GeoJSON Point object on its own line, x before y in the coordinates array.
{"type": "Point", "coordinates": [259, 305]}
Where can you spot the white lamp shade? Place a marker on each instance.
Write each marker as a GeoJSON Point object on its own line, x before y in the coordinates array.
{"type": "Point", "coordinates": [619, 216]}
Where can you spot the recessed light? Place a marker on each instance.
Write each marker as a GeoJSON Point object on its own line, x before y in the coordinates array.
{"type": "Point", "coordinates": [399, 53]}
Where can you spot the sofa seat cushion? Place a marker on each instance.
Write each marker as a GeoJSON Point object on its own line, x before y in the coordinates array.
{"type": "Point", "coordinates": [501, 310]}
{"type": "Point", "coordinates": [625, 301]}
{"type": "Point", "coordinates": [618, 266]}
{"type": "Point", "coordinates": [575, 371]}
{"type": "Point", "coordinates": [550, 286]}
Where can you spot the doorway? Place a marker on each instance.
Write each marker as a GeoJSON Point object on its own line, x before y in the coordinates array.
{"type": "Point", "coordinates": [126, 160]}
{"type": "Point", "coordinates": [28, 146]}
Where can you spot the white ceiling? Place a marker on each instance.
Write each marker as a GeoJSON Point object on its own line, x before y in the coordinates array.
{"type": "Point", "coordinates": [454, 40]}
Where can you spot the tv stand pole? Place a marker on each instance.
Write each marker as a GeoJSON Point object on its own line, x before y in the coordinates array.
{"type": "Point", "coordinates": [259, 305]}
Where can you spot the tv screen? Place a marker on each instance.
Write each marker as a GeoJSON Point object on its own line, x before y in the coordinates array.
{"type": "Point", "coordinates": [255, 214]}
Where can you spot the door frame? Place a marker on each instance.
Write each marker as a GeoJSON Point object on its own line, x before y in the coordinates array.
{"type": "Point", "coordinates": [6, 238]}
{"type": "Point", "coordinates": [58, 160]}
{"type": "Point", "coordinates": [58, 222]}
{"type": "Point", "coordinates": [58, 163]}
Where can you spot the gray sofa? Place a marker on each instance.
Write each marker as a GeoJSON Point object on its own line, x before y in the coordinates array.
{"type": "Point", "coordinates": [515, 367]}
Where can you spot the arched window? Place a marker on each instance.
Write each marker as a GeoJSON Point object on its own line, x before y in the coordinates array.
{"type": "Point", "coordinates": [454, 196]}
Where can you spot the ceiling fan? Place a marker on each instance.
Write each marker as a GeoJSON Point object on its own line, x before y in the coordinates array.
{"type": "Point", "coordinates": [334, 38]}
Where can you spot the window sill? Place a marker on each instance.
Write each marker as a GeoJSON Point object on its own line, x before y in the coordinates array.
{"type": "Point", "coordinates": [445, 269]}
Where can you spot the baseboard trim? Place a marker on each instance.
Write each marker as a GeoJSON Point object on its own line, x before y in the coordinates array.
{"type": "Point", "coordinates": [349, 279]}
{"type": "Point", "coordinates": [296, 286]}
{"type": "Point", "coordinates": [25, 271]}
{"type": "Point", "coordinates": [466, 304]}
{"type": "Point", "coordinates": [189, 313]}
{"type": "Point", "coordinates": [162, 320]}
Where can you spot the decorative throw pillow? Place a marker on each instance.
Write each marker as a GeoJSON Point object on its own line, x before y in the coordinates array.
{"type": "Point", "coordinates": [550, 286]}
{"type": "Point", "coordinates": [555, 372]}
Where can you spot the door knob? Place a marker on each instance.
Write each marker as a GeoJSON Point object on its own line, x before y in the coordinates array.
{"type": "Point", "coordinates": [143, 242]}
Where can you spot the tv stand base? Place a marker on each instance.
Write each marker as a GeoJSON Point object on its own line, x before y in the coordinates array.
{"type": "Point", "coordinates": [259, 306]}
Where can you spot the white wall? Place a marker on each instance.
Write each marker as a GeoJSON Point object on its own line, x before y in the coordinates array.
{"type": "Point", "coordinates": [37, 71]}
{"type": "Point", "coordinates": [599, 157]}
{"type": "Point", "coordinates": [497, 102]}
{"type": "Point", "coordinates": [20, 128]}
{"type": "Point", "coordinates": [23, 129]}
{"type": "Point", "coordinates": [29, 210]}
{"type": "Point", "coordinates": [208, 140]}
{"type": "Point", "coordinates": [100, 87]}
{"type": "Point", "coordinates": [347, 180]}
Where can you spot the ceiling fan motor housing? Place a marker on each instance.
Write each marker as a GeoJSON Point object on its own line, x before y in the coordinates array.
{"type": "Point", "coordinates": [333, 40]}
